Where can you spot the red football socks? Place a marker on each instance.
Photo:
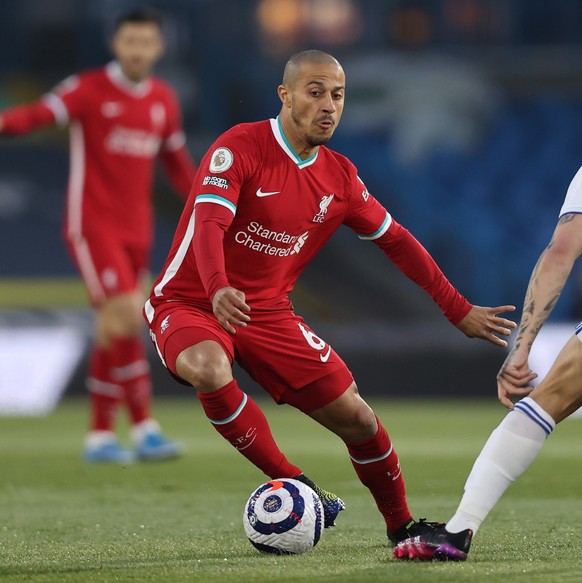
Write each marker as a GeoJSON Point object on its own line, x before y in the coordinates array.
{"type": "Point", "coordinates": [240, 421]}
{"type": "Point", "coordinates": [119, 372]}
{"type": "Point", "coordinates": [378, 468]}
{"type": "Point", "coordinates": [131, 371]}
{"type": "Point", "coordinates": [105, 394]}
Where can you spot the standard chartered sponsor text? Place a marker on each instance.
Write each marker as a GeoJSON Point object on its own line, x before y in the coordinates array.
{"type": "Point", "coordinates": [257, 238]}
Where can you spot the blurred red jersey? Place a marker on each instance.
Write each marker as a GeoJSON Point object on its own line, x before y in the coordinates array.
{"type": "Point", "coordinates": [117, 128]}
{"type": "Point", "coordinates": [282, 210]}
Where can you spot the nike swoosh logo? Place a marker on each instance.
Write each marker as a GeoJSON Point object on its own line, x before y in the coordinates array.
{"type": "Point", "coordinates": [324, 358]}
{"type": "Point", "coordinates": [260, 193]}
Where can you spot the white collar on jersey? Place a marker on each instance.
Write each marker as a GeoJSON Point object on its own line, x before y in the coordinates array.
{"type": "Point", "coordinates": [116, 76]}
{"type": "Point", "coordinates": [277, 129]}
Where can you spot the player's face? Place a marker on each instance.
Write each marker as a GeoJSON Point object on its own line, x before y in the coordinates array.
{"type": "Point", "coordinates": [315, 102]}
{"type": "Point", "coordinates": [137, 47]}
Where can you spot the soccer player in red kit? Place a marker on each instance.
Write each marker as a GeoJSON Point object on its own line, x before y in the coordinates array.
{"type": "Point", "coordinates": [121, 119]}
{"type": "Point", "coordinates": [266, 198]}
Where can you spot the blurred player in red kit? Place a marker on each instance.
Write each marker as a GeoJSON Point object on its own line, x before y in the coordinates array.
{"type": "Point", "coordinates": [121, 119]}
{"type": "Point", "coordinates": [266, 198]}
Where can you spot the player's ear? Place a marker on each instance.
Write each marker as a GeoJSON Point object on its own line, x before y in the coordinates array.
{"type": "Point", "coordinates": [284, 95]}
{"type": "Point", "coordinates": [161, 50]}
{"type": "Point", "coordinates": [161, 44]}
{"type": "Point", "coordinates": [113, 44]}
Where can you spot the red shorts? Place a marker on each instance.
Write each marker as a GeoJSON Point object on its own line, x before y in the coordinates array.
{"type": "Point", "coordinates": [277, 349]}
{"type": "Point", "coordinates": [109, 266]}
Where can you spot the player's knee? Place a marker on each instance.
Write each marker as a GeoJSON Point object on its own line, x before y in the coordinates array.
{"type": "Point", "coordinates": [359, 420]}
{"type": "Point", "coordinates": [108, 330]}
{"type": "Point", "coordinates": [362, 418]}
{"type": "Point", "coordinates": [121, 316]}
{"type": "Point", "coordinates": [129, 324]}
{"type": "Point", "coordinates": [364, 421]}
{"type": "Point", "coordinates": [349, 417]}
{"type": "Point", "coordinates": [206, 369]}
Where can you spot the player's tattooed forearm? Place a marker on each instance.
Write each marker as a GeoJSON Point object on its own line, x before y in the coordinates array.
{"type": "Point", "coordinates": [531, 337]}
{"type": "Point", "coordinates": [535, 330]}
{"type": "Point", "coordinates": [550, 305]}
{"type": "Point", "coordinates": [530, 326]}
{"type": "Point", "coordinates": [534, 274]}
{"type": "Point", "coordinates": [529, 307]}
{"type": "Point", "coordinates": [516, 347]}
{"type": "Point", "coordinates": [542, 283]}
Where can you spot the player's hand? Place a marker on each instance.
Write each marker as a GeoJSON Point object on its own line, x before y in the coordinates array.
{"type": "Point", "coordinates": [485, 323]}
{"type": "Point", "coordinates": [1, 123]}
{"type": "Point", "coordinates": [514, 377]}
{"type": "Point", "coordinates": [228, 305]}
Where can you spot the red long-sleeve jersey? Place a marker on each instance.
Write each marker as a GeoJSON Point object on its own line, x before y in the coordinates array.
{"type": "Point", "coordinates": [257, 215]}
{"type": "Point", "coordinates": [117, 130]}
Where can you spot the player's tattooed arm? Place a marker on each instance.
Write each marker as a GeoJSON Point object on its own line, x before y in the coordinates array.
{"type": "Point", "coordinates": [547, 280]}
{"type": "Point", "coordinates": [545, 286]}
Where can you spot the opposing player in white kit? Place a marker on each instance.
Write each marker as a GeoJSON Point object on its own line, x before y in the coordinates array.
{"type": "Point", "coordinates": [514, 444]}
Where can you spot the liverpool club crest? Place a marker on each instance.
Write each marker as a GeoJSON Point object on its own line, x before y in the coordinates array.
{"type": "Point", "coordinates": [324, 203]}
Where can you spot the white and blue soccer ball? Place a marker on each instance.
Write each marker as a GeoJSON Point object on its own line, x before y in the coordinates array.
{"type": "Point", "coordinates": [284, 517]}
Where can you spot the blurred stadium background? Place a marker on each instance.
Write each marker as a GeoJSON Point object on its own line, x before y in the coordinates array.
{"type": "Point", "coordinates": [464, 118]}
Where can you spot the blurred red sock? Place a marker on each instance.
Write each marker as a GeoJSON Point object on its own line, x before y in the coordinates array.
{"type": "Point", "coordinates": [131, 371]}
{"type": "Point", "coordinates": [104, 393]}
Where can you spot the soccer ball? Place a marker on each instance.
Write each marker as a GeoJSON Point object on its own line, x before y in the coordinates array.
{"type": "Point", "coordinates": [284, 517]}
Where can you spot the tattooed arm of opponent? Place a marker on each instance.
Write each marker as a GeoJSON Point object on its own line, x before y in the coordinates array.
{"type": "Point", "coordinates": [545, 286]}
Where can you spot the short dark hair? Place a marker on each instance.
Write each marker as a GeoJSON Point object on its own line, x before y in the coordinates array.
{"type": "Point", "coordinates": [139, 16]}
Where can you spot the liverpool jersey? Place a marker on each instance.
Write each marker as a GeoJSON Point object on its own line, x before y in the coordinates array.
{"type": "Point", "coordinates": [117, 129]}
{"type": "Point", "coordinates": [282, 209]}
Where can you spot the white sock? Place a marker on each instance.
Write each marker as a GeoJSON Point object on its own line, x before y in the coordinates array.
{"type": "Point", "coordinates": [143, 428]}
{"type": "Point", "coordinates": [509, 451]}
{"type": "Point", "coordinates": [98, 437]}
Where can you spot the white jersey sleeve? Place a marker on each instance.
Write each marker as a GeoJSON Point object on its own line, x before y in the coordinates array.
{"type": "Point", "coordinates": [573, 200]}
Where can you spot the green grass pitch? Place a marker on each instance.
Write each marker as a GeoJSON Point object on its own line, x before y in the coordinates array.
{"type": "Point", "coordinates": [64, 521]}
